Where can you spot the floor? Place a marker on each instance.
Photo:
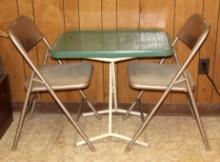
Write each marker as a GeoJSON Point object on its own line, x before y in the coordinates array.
{"type": "Point", "coordinates": [50, 138]}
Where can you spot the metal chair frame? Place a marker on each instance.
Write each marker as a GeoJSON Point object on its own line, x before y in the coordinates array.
{"type": "Point", "coordinates": [23, 48]}
{"type": "Point", "coordinates": [194, 45]}
{"type": "Point", "coordinates": [3, 34]}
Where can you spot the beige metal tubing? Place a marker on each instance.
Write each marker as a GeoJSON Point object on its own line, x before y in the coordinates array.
{"type": "Point", "coordinates": [67, 114]}
{"type": "Point", "coordinates": [140, 93]}
{"type": "Point", "coordinates": [48, 52]}
{"type": "Point", "coordinates": [196, 114]}
{"type": "Point", "coordinates": [149, 117]}
{"type": "Point", "coordinates": [90, 105]}
{"type": "Point", "coordinates": [33, 104]}
{"type": "Point", "coordinates": [80, 109]}
{"type": "Point", "coordinates": [73, 122]}
{"type": "Point", "coordinates": [141, 109]}
{"type": "Point", "coordinates": [22, 117]}
{"type": "Point", "coordinates": [133, 105]}
{"type": "Point", "coordinates": [3, 34]}
{"type": "Point", "coordinates": [190, 105]}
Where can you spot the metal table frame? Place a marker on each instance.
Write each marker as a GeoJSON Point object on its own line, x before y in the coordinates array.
{"type": "Point", "coordinates": [112, 99]}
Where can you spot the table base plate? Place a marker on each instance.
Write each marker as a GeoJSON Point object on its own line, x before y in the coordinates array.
{"type": "Point", "coordinates": [112, 135]}
{"type": "Point", "coordinates": [115, 110]}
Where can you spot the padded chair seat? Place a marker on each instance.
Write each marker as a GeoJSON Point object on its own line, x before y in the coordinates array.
{"type": "Point", "coordinates": [148, 76]}
{"type": "Point", "coordinates": [64, 76]}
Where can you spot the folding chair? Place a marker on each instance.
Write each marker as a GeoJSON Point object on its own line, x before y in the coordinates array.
{"type": "Point", "coordinates": [171, 77]}
{"type": "Point", "coordinates": [50, 78]}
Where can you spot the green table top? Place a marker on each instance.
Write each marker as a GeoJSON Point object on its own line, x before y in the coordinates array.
{"type": "Point", "coordinates": [111, 44]}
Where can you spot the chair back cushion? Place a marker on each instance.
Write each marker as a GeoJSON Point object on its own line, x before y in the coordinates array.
{"type": "Point", "coordinates": [192, 30]}
{"type": "Point", "coordinates": [25, 31]}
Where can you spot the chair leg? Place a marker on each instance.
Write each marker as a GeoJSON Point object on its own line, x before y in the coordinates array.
{"type": "Point", "coordinates": [147, 120]}
{"type": "Point", "coordinates": [199, 121]}
{"type": "Point", "coordinates": [191, 107]}
{"type": "Point", "coordinates": [90, 105]}
{"type": "Point", "coordinates": [133, 105]}
{"type": "Point", "coordinates": [21, 120]}
{"type": "Point", "coordinates": [141, 110]}
{"type": "Point", "coordinates": [141, 128]}
{"type": "Point", "coordinates": [33, 104]}
{"type": "Point", "coordinates": [196, 114]}
{"type": "Point", "coordinates": [80, 109]}
{"type": "Point", "coordinates": [72, 121]}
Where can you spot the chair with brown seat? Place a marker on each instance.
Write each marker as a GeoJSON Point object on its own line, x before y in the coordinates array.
{"type": "Point", "coordinates": [47, 78]}
{"type": "Point", "coordinates": [171, 77]}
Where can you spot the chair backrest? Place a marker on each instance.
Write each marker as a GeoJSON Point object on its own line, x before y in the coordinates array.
{"type": "Point", "coordinates": [25, 35]}
{"type": "Point", "coordinates": [193, 29]}
{"type": "Point", "coordinates": [24, 32]}
{"type": "Point", "coordinates": [193, 34]}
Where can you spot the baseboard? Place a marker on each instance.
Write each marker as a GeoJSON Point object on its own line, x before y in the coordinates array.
{"type": "Point", "coordinates": [166, 109]}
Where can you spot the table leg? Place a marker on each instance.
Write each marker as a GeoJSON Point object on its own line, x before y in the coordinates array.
{"type": "Point", "coordinates": [113, 89]}
{"type": "Point", "coordinates": [114, 86]}
{"type": "Point", "coordinates": [112, 95]}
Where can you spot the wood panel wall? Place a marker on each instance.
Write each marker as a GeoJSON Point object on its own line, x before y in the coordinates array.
{"type": "Point", "coordinates": [56, 16]}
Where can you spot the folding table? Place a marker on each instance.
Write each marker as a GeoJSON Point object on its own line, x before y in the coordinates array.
{"type": "Point", "coordinates": [112, 47]}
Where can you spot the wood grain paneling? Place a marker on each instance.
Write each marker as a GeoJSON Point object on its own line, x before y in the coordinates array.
{"type": "Point", "coordinates": [183, 10]}
{"type": "Point", "coordinates": [49, 18]}
{"type": "Point", "coordinates": [109, 14]}
{"type": "Point", "coordinates": [90, 14]}
{"type": "Point", "coordinates": [25, 7]}
{"type": "Point", "coordinates": [128, 14]}
{"type": "Point", "coordinates": [210, 12]}
{"type": "Point", "coordinates": [157, 14]}
{"type": "Point", "coordinates": [71, 22]}
{"type": "Point", "coordinates": [56, 16]}
{"type": "Point", "coordinates": [71, 14]}
{"type": "Point", "coordinates": [127, 18]}
{"type": "Point", "coordinates": [90, 19]}
{"type": "Point", "coordinates": [216, 76]}
{"type": "Point", "coordinates": [13, 62]}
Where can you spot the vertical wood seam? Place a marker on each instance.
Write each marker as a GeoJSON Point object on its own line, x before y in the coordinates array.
{"type": "Point", "coordinates": [64, 29]}
{"type": "Point", "coordinates": [139, 12]}
{"type": "Point", "coordinates": [23, 61]}
{"type": "Point", "coordinates": [64, 17]}
{"type": "Point", "coordinates": [103, 71]}
{"type": "Point", "coordinates": [174, 18]}
{"type": "Point", "coordinates": [17, 7]}
{"type": "Point", "coordinates": [38, 61]}
{"type": "Point", "coordinates": [101, 15]}
{"type": "Point", "coordinates": [116, 15]}
{"type": "Point", "coordinates": [78, 15]}
{"type": "Point", "coordinates": [37, 50]}
{"type": "Point", "coordinates": [174, 32]}
{"type": "Point", "coordinates": [197, 78]}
